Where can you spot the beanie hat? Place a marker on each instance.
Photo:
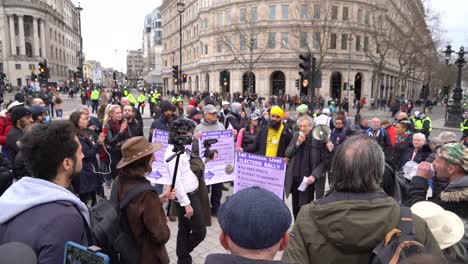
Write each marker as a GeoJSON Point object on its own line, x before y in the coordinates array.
{"type": "Point", "coordinates": [276, 110]}
{"type": "Point", "coordinates": [166, 106]}
{"type": "Point", "coordinates": [302, 109]}
{"type": "Point", "coordinates": [19, 112]}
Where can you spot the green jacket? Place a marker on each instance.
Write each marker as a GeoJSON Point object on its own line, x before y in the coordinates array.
{"type": "Point", "coordinates": [346, 231]}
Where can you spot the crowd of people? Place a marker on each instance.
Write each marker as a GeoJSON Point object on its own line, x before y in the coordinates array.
{"type": "Point", "coordinates": [61, 169]}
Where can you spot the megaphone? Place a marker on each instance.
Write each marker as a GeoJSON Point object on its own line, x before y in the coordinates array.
{"type": "Point", "coordinates": [321, 132]}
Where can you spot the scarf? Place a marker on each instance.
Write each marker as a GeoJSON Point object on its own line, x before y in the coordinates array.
{"type": "Point", "coordinates": [402, 138]}
{"type": "Point", "coordinates": [273, 139]}
{"type": "Point", "coordinates": [114, 126]}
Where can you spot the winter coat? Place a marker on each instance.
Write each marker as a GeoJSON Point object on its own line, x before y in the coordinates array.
{"type": "Point", "coordinates": [5, 127]}
{"type": "Point", "coordinates": [147, 221]}
{"type": "Point", "coordinates": [346, 227]}
{"type": "Point", "coordinates": [319, 161]}
{"type": "Point", "coordinates": [454, 198]}
{"type": "Point", "coordinates": [58, 106]}
{"type": "Point", "coordinates": [88, 181]}
{"type": "Point", "coordinates": [12, 148]}
{"type": "Point", "coordinates": [260, 145]}
{"type": "Point", "coordinates": [232, 259]}
{"type": "Point", "coordinates": [44, 216]}
{"type": "Point", "coordinates": [235, 120]}
{"type": "Point", "coordinates": [391, 131]}
{"type": "Point", "coordinates": [205, 126]}
{"type": "Point", "coordinates": [420, 156]}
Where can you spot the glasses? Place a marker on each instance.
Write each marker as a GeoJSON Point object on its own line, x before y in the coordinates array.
{"type": "Point", "coordinates": [304, 126]}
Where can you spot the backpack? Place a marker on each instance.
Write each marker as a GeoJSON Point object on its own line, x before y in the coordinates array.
{"type": "Point", "coordinates": [400, 243]}
{"type": "Point", "coordinates": [110, 228]}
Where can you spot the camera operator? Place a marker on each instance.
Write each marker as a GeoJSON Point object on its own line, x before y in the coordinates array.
{"type": "Point", "coordinates": [192, 206]}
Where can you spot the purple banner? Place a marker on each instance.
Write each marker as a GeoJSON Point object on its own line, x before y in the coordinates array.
{"type": "Point", "coordinates": [255, 170]}
{"type": "Point", "coordinates": [159, 173]}
{"type": "Point", "coordinates": [220, 169]}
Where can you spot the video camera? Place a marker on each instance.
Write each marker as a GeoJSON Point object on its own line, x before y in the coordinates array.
{"type": "Point", "coordinates": [180, 132]}
{"type": "Point", "coordinates": [209, 154]}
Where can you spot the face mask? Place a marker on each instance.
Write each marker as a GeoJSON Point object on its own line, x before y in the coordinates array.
{"type": "Point", "coordinates": [47, 120]}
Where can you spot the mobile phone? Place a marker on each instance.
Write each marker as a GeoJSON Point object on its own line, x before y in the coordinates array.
{"type": "Point", "coordinates": [76, 253]}
{"type": "Point", "coordinates": [104, 130]}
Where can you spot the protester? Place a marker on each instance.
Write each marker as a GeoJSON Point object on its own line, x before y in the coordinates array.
{"type": "Point", "coordinates": [137, 115]}
{"type": "Point", "coordinates": [417, 152]}
{"type": "Point", "coordinates": [346, 225]}
{"type": "Point", "coordinates": [39, 210]}
{"type": "Point", "coordinates": [40, 114]}
{"type": "Point", "coordinates": [380, 135]}
{"type": "Point", "coordinates": [253, 239]}
{"type": "Point", "coordinates": [145, 214]}
{"type": "Point", "coordinates": [117, 134]}
{"type": "Point", "coordinates": [390, 129]}
{"type": "Point", "coordinates": [20, 118]}
{"type": "Point", "coordinates": [196, 115]}
{"type": "Point", "coordinates": [309, 160]}
{"type": "Point", "coordinates": [338, 134]}
{"type": "Point", "coordinates": [273, 139]}
{"type": "Point", "coordinates": [324, 118]}
{"type": "Point", "coordinates": [248, 135]}
{"type": "Point", "coordinates": [133, 124]}
{"type": "Point", "coordinates": [235, 119]}
{"type": "Point", "coordinates": [87, 184]}
{"type": "Point", "coordinates": [164, 122]}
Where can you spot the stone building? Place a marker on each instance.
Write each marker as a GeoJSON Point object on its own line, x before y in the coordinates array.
{"type": "Point", "coordinates": [32, 31]}
{"type": "Point", "coordinates": [265, 38]}
{"type": "Point", "coordinates": [134, 67]}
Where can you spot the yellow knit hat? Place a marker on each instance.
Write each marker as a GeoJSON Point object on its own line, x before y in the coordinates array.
{"type": "Point", "coordinates": [276, 110]}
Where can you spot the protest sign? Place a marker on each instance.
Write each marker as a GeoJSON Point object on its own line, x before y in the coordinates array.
{"type": "Point", "coordinates": [220, 169]}
{"type": "Point", "coordinates": [255, 170]}
{"type": "Point", "coordinates": [159, 173]}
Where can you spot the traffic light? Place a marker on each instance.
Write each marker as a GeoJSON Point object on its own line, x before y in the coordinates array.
{"type": "Point", "coordinates": [297, 83]}
{"type": "Point", "coordinates": [306, 66]}
{"type": "Point", "coordinates": [34, 77]}
{"type": "Point", "coordinates": [78, 73]}
{"type": "Point", "coordinates": [175, 72]}
{"type": "Point", "coordinates": [224, 79]}
{"type": "Point", "coordinates": [3, 76]}
{"type": "Point", "coordinates": [184, 77]}
{"type": "Point", "coordinates": [43, 72]}
{"type": "Point", "coordinates": [114, 76]}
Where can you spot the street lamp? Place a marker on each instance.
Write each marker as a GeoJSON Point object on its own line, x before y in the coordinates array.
{"type": "Point", "coordinates": [454, 112]}
{"type": "Point", "coordinates": [180, 9]}
{"type": "Point", "coordinates": [79, 9]}
{"type": "Point", "coordinates": [348, 88]}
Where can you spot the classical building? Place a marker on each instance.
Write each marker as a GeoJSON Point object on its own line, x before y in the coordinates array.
{"type": "Point", "coordinates": [88, 71]}
{"type": "Point", "coordinates": [258, 42]}
{"type": "Point", "coordinates": [32, 31]}
{"type": "Point", "coordinates": [97, 72]}
{"type": "Point", "coordinates": [152, 48]}
{"type": "Point", "coordinates": [134, 67]}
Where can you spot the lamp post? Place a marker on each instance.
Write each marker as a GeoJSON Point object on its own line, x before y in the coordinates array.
{"type": "Point", "coordinates": [79, 9]}
{"type": "Point", "coordinates": [348, 88]}
{"type": "Point", "coordinates": [454, 112]}
{"type": "Point", "coordinates": [180, 9]}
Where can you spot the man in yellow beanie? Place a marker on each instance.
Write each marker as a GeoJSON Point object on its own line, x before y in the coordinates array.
{"type": "Point", "coordinates": [273, 138]}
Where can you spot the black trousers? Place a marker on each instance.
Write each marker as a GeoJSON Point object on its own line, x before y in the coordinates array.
{"type": "Point", "coordinates": [301, 198]}
{"type": "Point", "coordinates": [191, 231]}
{"type": "Point", "coordinates": [216, 194]}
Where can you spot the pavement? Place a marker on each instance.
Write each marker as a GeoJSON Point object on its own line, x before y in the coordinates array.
{"type": "Point", "coordinates": [211, 243]}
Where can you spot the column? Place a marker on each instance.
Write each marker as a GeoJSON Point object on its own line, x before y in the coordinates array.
{"type": "Point", "coordinates": [21, 35]}
{"type": "Point", "coordinates": [35, 38]}
{"type": "Point", "coordinates": [43, 41]}
{"type": "Point", "coordinates": [11, 18]}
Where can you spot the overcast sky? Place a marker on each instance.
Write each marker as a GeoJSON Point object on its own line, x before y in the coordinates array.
{"type": "Point", "coordinates": [109, 25]}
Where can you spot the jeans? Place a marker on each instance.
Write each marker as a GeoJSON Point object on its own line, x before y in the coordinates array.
{"type": "Point", "coordinates": [59, 112]}
{"type": "Point", "coordinates": [191, 231]}
{"type": "Point", "coordinates": [216, 194]}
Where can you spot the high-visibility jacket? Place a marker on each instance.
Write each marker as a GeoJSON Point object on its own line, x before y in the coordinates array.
{"type": "Point", "coordinates": [153, 99]}
{"type": "Point", "coordinates": [464, 126]}
{"type": "Point", "coordinates": [131, 98]}
{"type": "Point", "coordinates": [95, 95]}
{"type": "Point", "coordinates": [141, 98]}
{"type": "Point", "coordinates": [125, 92]}
{"type": "Point", "coordinates": [419, 123]}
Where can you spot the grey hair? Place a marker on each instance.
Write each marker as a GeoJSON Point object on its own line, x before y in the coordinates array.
{"type": "Point", "coordinates": [307, 118]}
{"type": "Point", "coordinates": [358, 166]}
{"type": "Point", "coordinates": [421, 135]}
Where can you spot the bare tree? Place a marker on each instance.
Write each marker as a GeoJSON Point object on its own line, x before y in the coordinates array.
{"type": "Point", "coordinates": [245, 41]}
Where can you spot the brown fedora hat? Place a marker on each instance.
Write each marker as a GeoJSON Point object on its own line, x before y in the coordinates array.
{"type": "Point", "coordinates": [136, 148]}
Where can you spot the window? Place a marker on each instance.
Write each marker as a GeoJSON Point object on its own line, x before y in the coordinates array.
{"type": "Point", "coordinates": [243, 13]}
{"type": "Point", "coordinates": [272, 12]}
{"type": "Point", "coordinates": [253, 10]}
{"type": "Point", "coordinates": [303, 40]}
{"type": "Point", "coordinates": [345, 13]}
{"type": "Point", "coordinates": [367, 18]}
{"type": "Point", "coordinates": [366, 43]}
{"type": "Point", "coordinates": [317, 11]}
{"type": "Point", "coordinates": [333, 41]}
{"type": "Point", "coordinates": [316, 40]}
{"type": "Point", "coordinates": [220, 46]}
{"type": "Point", "coordinates": [334, 15]}
{"type": "Point", "coordinates": [358, 43]}
{"type": "Point", "coordinates": [228, 17]}
{"type": "Point", "coordinates": [220, 19]}
{"type": "Point", "coordinates": [243, 42]}
{"type": "Point", "coordinates": [18, 82]}
{"type": "Point", "coordinates": [254, 41]}
{"type": "Point", "coordinates": [271, 40]}
{"type": "Point", "coordinates": [18, 66]}
{"type": "Point", "coordinates": [32, 67]}
{"type": "Point", "coordinates": [285, 11]}
{"type": "Point", "coordinates": [304, 11]}
{"type": "Point", "coordinates": [359, 16]}
{"type": "Point", "coordinates": [284, 40]}
{"type": "Point", "coordinates": [206, 49]}
{"type": "Point", "coordinates": [344, 41]}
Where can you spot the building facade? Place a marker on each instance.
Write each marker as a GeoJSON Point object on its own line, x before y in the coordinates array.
{"type": "Point", "coordinates": [152, 48]}
{"type": "Point", "coordinates": [134, 67]}
{"type": "Point", "coordinates": [258, 42]}
{"type": "Point", "coordinates": [32, 31]}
